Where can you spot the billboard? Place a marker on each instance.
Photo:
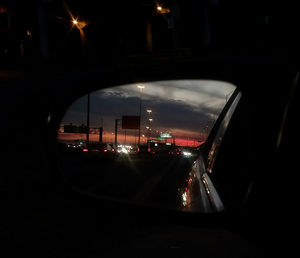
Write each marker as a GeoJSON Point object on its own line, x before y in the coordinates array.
{"type": "Point", "coordinates": [130, 122]}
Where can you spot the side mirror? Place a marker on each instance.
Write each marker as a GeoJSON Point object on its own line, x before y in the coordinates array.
{"type": "Point", "coordinates": [151, 143]}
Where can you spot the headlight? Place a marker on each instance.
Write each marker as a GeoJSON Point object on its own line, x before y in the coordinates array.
{"type": "Point", "coordinates": [187, 154]}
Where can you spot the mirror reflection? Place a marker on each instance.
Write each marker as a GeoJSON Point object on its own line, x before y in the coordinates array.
{"type": "Point", "coordinates": [142, 142]}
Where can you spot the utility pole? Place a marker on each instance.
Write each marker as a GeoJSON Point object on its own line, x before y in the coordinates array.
{"type": "Point", "coordinates": [101, 131]}
{"type": "Point", "coordinates": [149, 35]}
{"type": "Point", "coordinates": [140, 114]}
{"type": "Point", "coordinates": [172, 25]}
{"type": "Point", "coordinates": [88, 120]}
{"type": "Point", "coordinates": [101, 134]}
{"type": "Point", "coordinates": [116, 132]}
{"type": "Point", "coordinates": [41, 16]}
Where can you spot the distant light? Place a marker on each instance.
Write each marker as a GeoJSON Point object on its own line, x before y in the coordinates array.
{"type": "Point", "coordinates": [105, 150]}
{"type": "Point", "coordinates": [187, 154]}
{"type": "Point", "coordinates": [165, 135]}
{"type": "Point", "coordinates": [162, 10]}
{"type": "Point", "coordinates": [85, 150]}
{"type": "Point", "coordinates": [48, 118]}
{"type": "Point", "coordinates": [149, 111]}
{"type": "Point", "coordinates": [29, 32]}
{"type": "Point", "coordinates": [79, 24]}
{"type": "Point", "coordinates": [184, 199]}
{"type": "Point", "coordinates": [124, 150]}
{"type": "Point", "coordinates": [150, 119]}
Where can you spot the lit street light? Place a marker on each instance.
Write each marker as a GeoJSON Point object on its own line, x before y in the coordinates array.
{"type": "Point", "coordinates": [162, 10]}
{"type": "Point", "coordinates": [79, 24]}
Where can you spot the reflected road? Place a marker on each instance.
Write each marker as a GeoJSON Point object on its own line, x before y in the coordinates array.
{"type": "Point", "coordinates": [144, 178]}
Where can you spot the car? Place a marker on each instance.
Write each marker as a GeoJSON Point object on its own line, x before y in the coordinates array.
{"type": "Point", "coordinates": [98, 147]}
{"type": "Point", "coordinates": [251, 166]}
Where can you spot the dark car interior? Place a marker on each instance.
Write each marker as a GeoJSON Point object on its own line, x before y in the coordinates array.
{"type": "Point", "coordinates": [43, 71]}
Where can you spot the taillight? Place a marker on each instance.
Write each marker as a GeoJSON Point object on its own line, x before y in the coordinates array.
{"type": "Point", "coordinates": [85, 150]}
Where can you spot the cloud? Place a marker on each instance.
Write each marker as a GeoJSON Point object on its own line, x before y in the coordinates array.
{"type": "Point", "coordinates": [195, 93]}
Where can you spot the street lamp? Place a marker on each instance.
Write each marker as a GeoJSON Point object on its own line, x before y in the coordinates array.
{"type": "Point", "coordinates": [79, 24]}
{"type": "Point", "coordinates": [162, 10]}
{"type": "Point", "coordinates": [140, 87]}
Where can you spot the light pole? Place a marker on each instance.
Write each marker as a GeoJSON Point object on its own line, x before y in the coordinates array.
{"type": "Point", "coordinates": [149, 111]}
{"type": "Point", "coordinates": [88, 120]}
{"type": "Point", "coordinates": [140, 87]}
{"type": "Point", "coordinates": [80, 25]}
{"type": "Point", "coordinates": [150, 120]}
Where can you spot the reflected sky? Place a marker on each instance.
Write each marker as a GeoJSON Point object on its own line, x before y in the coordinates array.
{"type": "Point", "coordinates": [186, 108]}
